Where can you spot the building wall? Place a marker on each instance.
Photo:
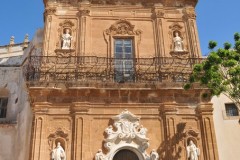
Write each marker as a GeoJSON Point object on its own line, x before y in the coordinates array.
{"type": "Point", "coordinates": [88, 24]}
{"type": "Point", "coordinates": [15, 129]}
{"type": "Point", "coordinates": [227, 130]}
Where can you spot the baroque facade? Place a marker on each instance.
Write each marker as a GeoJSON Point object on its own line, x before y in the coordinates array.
{"type": "Point", "coordinates": [104, 81]}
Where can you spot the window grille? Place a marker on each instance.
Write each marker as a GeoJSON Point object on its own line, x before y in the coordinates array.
{"type": "Point", "coordinates": [231, 109]}
{"type": "Point", "coordinates": [3, 107]}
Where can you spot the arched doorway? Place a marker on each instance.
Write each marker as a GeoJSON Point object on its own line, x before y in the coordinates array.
{"type": "Point", "coordinates": [125, 154]}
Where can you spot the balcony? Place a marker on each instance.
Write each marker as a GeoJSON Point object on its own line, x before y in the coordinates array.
{"type": "Point", "coordinates": [88, 71]}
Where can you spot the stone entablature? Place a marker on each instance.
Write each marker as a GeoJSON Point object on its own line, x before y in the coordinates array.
{"type": "Point", "coordinates": [169, 3]}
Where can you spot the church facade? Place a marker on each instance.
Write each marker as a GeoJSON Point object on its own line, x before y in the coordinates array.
{"type": "Point", "coordinates": [105, 81]}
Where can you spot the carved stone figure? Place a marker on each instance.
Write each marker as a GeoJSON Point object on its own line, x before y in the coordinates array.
{"type": "Point", "coordinates": [66, 39]}
{"type": "Point", "coordinates": [154, 155]}
{"type": "Point", "coordinates": [99, 155]}
{"type": "Point", "coordinates": [178, 43]}
{"type": "Point", "coordinates": [192, 151]}
{"type": "Point", "coordinates": [58, 153]}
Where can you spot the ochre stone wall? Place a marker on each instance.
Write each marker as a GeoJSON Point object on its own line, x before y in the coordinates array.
{"type": "Point", "coordinates": [172, 119]}
{"type": "Point", "coordinates": [88, 24]}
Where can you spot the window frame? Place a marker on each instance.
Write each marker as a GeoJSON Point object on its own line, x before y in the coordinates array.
{"type": "Point", "coordinates": [123, 61]}
{"type": "Point", "coordinates": [233, 105]}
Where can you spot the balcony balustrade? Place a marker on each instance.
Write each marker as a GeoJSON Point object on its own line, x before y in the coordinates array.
{"type": "Point", "coordinates": [82, 70]}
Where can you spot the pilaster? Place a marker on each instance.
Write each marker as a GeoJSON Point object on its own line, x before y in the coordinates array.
{"type": "Point", "coordinates": [83, 16]}
{"type": "Point", "coordinates": [80, 138]}
{"type": "Point", "coordinates": [158, 15]}
{"type": "Point", "coordinates": [48, 19]}
{"type": "Point", "coordinates": [190, 20]}
{"type": "Point", "coordinates": [168, 111]}
{"type": "Point", "coordinates": [205, 111]}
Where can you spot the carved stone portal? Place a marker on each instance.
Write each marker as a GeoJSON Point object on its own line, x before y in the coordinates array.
{"type": "Point", "coordinates": [126, 133]}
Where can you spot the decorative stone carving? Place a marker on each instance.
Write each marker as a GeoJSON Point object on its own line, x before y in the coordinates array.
{"type": "Point", "coordinates": [175, 26]}
{"type": "Point", "coordinates": [66, 34]}
{"type": "Point", "coordinates": [154, 155]}
{"type": "Point", "coordinates": [178, 49]}
{"type": "Point", "coordinates": [99, 155]}
{"type": "Point", "coordinates": [192, 151]}
{"type": "Point", "coordinates": [84, 12]}
{"type": "Point", "coordinates": [66, 39]}
{"type": "Point", "coordinates": [58, 153]}
{"type": "Point", "coordinates": [126, 132]}
{"type": "Point", "coordinates": [12, 40]}
{"type": "Point", "coordinates": [178, 43]}
{"type": "Point", "coordinates": [54, 136]}
{"type": "Point", "coordinates": [67, 24]}
{"type": "Point", "coordinates": [189, 13]}
{"type": "Point", "coordinates": [159, 13]}
{"type": "Point", "coordinates": [49, 11]}
{"type": "Point", "coordinates": [122, 27]}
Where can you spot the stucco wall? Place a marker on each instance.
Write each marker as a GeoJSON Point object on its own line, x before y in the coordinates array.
{"type": "Point", "coordinates": [227, 130]}
{"type": "Point", "coordinates": [15, 128]}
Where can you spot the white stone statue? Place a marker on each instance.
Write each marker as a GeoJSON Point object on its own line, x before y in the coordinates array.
{"type": "Point", "coordinates": [178, 43]}
{"type": "Point", "coordinates": [58, 153]}
{"type": "Point", "coordinates": [66, 39]}
{"type": "Point", "coordinates": [99, 155]}
{"type": "Point", "coordinates": [192, 151]}
{"type": "Point", "coordinates": [154, 155]}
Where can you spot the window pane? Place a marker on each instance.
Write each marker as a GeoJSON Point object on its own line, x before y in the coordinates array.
{"type": "Point", "coordinates": [118, 42]}
{"type": "Point", "coordinates": [119, 49]}
{"type": "Point", "coordinates": [128, 49]}
{"type": "Point", "coordinates": [128, 42]}
{"type": "Point", "coordinates": [123, 66]}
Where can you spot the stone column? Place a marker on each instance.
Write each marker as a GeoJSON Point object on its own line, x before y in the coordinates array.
{"type": "Point", "coordinates": [205, 111]}
{"type": "Point", "coordinates": [190, 20]}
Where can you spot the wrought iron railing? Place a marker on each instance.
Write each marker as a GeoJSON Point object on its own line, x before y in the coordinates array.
{"type": "Point", "coordinates": [77, 69]}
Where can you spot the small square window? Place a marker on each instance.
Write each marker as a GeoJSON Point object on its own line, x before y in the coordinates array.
{"type": "Point", "coordinates": [231, 109]}
{"type": "Point", "coordinates": [3, 107]}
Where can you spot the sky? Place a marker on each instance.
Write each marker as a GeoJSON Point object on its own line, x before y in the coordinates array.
{"type": "Point", "coordinates": [217, 20]}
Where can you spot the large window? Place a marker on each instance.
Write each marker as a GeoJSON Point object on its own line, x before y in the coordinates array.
{"type": "Point", "coordinates": [231, 109]}
{"type": "Point", "coordinates": [123, 63]}
{"type": "Point", "coordinates": [3, 107]}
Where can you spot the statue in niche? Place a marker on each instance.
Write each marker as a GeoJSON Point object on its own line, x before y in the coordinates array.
{"type": "Point", "coordinates": [154, 155]}
{"type": "Point", "coordinates": [178, 43]}
{"type": "Point", "coordinates": [58, 153]}
{"type": "Point", "coordinates": [99, 155]}
{"type": "Point", "coordinates": [192, 151]}
{"type": "Point", "coordinates": [66, 39]}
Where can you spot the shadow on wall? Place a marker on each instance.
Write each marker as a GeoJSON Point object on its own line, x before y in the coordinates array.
{"type": "Point", "coordinates": [172, 148]}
